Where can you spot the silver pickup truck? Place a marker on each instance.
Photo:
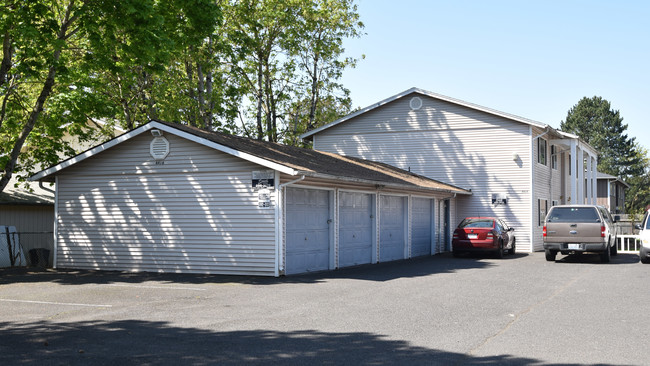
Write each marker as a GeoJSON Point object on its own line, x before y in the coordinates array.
{"type": "Point", "coordinates": [575, 229]}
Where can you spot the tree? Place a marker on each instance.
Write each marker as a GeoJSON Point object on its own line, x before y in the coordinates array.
{"type": "Point", "coordinates": [637, 197]}
{"type": "Point", "coordinates": [288, 52]}
{"type": "Point", "coordinates": [67, 61]}
{"type": "Point", "coordinates": [593, 120]}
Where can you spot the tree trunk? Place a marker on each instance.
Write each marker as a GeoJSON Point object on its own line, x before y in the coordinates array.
{"type": "Point", "coordinates": [260, 96]}
{"type": "Point", "coordinates": [40, 102]}
{"type": "Point", "coordinates": [201, 92]}
{"type": "Point", "coordinates": [314, 95]}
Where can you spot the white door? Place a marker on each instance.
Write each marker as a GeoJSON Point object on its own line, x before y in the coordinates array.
{"type": "Point", "coordinates": [392, 238]}
{"type": "Point", "coordinates": [355, 228]}
{"type": "Point", "coordinates": [421, 233]}
{"type": "Point", "coordinates": [307, 230]}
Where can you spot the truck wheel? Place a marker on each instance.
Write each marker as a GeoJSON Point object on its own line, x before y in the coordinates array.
{"type": "Point", "coordinates": [613, 250]}
{"type": "Point", "coordinates": [605, 255]}
{"type": "Point", "coordinates": [550, 255]}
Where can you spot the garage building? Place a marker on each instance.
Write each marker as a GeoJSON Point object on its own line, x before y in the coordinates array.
{"type": "Point", "coordinates": [172, 198]}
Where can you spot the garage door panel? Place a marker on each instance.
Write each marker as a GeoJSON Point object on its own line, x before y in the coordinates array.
{"type": "Point", "coordinates": [392, 228]}
{"type": "Point", "coordinates": [355, 228]}
{"type": "Point", "coordinates": [307, 230]}
{"type": "Point", "coordinates": [421, 237]}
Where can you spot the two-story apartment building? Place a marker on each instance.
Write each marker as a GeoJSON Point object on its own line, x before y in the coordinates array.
{"type": "Point", "coordinates": [515, 167]}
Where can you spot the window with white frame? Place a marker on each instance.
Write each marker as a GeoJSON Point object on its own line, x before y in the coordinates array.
{"type": "Point", "coordinates": [542, 209]}
{"type": "Point", "coordinates": [541, 151]}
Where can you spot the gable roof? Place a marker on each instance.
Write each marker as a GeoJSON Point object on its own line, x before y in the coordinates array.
{"type": "Point", "coordinates": [611, 178]}
{"type": "Point", "coordinates": [445, 98]}
{"type": "Point", "coordinates": [286, 159]}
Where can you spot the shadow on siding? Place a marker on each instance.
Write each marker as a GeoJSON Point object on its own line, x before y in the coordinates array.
{"type": "Point", "coordinates": [134, 342]}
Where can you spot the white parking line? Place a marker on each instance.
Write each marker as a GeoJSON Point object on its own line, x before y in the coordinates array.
{"type": "Point", "coordinates": [56, 303]}
{"type": "Point", "coordinates": [159, 287]}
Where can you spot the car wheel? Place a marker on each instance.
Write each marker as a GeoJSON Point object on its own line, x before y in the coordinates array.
{"type": "Point", "coordinates": [605, 255]}
{"type": "Point", "coordinates": [643, 254]}
{"type": "Point", "coordinates": [645, 260]}
{"type": "Point", "coordinates": [511, 251]}
{"type": "Point", "coordinates": [550, 255]}
{"type": "Point", "coordinates": [499, 252]}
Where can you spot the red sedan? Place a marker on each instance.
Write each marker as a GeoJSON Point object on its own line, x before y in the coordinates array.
{"type": "Point", "coordinates": [483, 234]}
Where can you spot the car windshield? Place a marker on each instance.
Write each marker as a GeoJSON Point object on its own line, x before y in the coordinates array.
{"type": "Point", "coordinates": [477, 223]}
{"type": "Point", "coordinates": [647, 220]}
{"type": "Point", "coordinates": [573, 214]}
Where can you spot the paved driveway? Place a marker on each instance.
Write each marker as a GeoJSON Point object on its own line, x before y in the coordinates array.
{"type": "Point", "coordinates": [432, 311]}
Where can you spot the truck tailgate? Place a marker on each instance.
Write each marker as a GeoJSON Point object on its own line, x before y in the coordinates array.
{"type": "Point", "coordinates": [580, 232]}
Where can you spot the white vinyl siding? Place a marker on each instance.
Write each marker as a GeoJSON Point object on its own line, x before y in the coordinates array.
{"type": "Point", "coordinates": [451, 143]}
{"type": "Point", "coordinates": [197, 213]}
{"type": "Point", "coordinates": [34, 224]}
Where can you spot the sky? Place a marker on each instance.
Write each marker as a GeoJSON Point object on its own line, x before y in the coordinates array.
{"type": "Point", "coordinates": [534, 59]}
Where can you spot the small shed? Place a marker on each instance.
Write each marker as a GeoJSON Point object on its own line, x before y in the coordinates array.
{"type": "Point", "coordinates": [172, 198]}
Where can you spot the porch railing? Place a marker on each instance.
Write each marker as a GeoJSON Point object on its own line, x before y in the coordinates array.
{"type": "Point", "coordinates": [628, 243]}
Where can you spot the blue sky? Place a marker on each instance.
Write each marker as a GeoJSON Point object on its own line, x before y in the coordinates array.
{"type": "Point", "coordinates": [535, 59]}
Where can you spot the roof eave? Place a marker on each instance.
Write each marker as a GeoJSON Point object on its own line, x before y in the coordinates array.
{"type": "Point", "coordinates": [44, 174]}
{"type": "Point", "coordinates": [383, 183]}
{"type": "Point", "coordinates": [445, 98]}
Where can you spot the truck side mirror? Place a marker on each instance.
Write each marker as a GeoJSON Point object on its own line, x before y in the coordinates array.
{"type": "Point", "coordinates": [637, 226]}
{"type": "Point", "coordinates": [617, 218]}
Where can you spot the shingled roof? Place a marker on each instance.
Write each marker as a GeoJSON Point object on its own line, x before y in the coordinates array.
{"type": "Point", "coordinates": [299, 161]}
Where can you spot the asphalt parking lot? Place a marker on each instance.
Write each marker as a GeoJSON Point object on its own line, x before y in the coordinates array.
{"type": "Point", "coordinates": [437, 310]}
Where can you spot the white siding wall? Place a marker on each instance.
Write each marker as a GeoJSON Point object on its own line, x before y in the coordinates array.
{"type": "Point", "coordinates": [34, 225]}
{"type": "Point", "coordinates": [196, 213]}
{"type": "Point", "coordinates": [454, 144]}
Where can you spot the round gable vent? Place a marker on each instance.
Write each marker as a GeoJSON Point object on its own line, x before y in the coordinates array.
{"type": "Point", "coordinates": [159, 148]}
{"type": "Point", "coordinates": [415, 103]}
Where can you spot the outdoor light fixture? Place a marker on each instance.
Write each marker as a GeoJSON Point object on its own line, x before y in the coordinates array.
{"type": "Point", "coordinates": [515, 156]}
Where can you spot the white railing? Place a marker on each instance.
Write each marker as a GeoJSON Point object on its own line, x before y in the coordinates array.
{"type": "Point", "coordinates": [628, 243]}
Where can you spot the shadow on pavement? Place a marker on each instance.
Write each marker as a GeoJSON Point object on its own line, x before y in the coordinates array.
{"type": "Point", "coordinates": [594, 258]}
{"type": "Point", "coordinates": [133, 342]}
{"type": "Point", "coordinates": [416, 267]}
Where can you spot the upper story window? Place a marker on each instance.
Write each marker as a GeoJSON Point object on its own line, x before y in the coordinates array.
{"type": "Point", "coordinates": [541, 151]}
{"type": "Point", "coordinates": [553, 157]}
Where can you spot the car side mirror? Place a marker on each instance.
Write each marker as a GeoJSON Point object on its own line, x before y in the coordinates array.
{"type": "Point", "coordinates": [637, 226]}
{"type": "Point", "coordinates": [511, 229]}
{"type": "Point", "coordinates": [617, 218]}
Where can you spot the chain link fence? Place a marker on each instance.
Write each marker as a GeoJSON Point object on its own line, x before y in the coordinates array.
{"type": "Point", "coordinates": [29, 248]}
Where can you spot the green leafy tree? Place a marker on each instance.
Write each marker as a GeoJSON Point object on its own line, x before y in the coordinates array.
{"type": "Point", "coordinates": [637, 197]}
{"type": "Point", "coordinates": [287, 53]}
{"type": "Point", "coordinates": [67, 61]}
{"type": "Point", "coordinates": [594, 121]}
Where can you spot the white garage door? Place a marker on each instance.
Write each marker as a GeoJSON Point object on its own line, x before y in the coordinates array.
{"type": "Point", "coordinates": [421, 227]}
{"type": "Point", "coordinates": [307, 228]}
{"type": "Point", "coordinates": [392, 241]}
{"type": "Point", "coordinates": [355, 228]}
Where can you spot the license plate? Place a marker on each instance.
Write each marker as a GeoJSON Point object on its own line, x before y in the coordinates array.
{"type": "Point", "coordinates": [472, 236]}
{"type": "Point", "coordinates": [574, 247]}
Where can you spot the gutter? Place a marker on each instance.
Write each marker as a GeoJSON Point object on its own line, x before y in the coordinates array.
{"type": "Point", "coordinates": [41, 186]}
{"type": "Point", "coordinates": [389, 185]}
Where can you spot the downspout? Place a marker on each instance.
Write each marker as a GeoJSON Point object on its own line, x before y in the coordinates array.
{"type": "Point", "coordinates": [41, 186]}
{"type": "Point", "coordinates": [533, 162]}
{"type": "Point", "coordinates": [279, 227]}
